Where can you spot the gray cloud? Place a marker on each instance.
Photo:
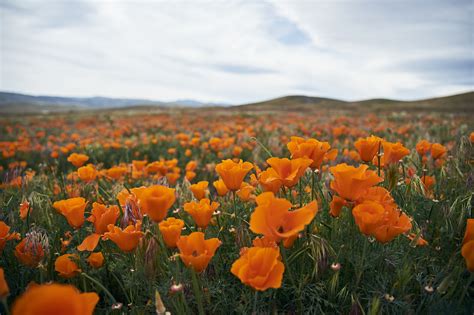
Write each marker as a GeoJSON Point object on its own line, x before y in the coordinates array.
{"type": "Point", "coordinates": [441, 70]}
{"type": "Point", "coordinates": [214, 51]}
{"type": "Point", "coordinates": [242, 69]}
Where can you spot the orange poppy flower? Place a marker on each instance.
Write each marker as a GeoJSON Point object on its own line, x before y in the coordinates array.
{"type": "Point", "coordinates": [393, 152]}
{"type": "Point", "coordinates": [423, 147]}
{"type": "Point", "coordinates": [259, 267]}
{"type": "Point", "coordinates": [5, 235]}
{"type": "Point", "coordinates": [467, 251]}
{"type": "Point", "coordinates": [66, 266]}
{"type": "Point", "coordinates": [310, 149]}
{"type": "Point", "coordinates": [4, 290]}
{"type": "Point", "coordinates": [60, 299]}
{"type": "Point", "coordinates": [221, 188]}
{"type": "Point", "coordinates": [419, 242]}
{"type": "Point", "coordinates": [172, 177]}
{"type": "Point", "coordinates": [127, 239]}
{"type": "Point", "coordinates": [101, 216]}
{"type": "Point", "coordinates": [289, 171]}
{"type": "Point", "coordinates": [396, 223]}
{"type": "Point", "coordinates": [89, 243]}
{"type": "Point", "coordinates": [350, 182]}
{"type": "Point", "coordinates": [438, 151]}
{"type": "Point", "coordinates": [96, 260]}
{"type": "Point", "coordinates": [195, 251]}
{"type": "Point", "coordinates": [87, 173]}
{"type": "Point", "coordinates": [30, 251]}
{"type": "Point", "coordinates": [125, 194]}
{"type": "Point", "coordinates": [336, 205]}
{"type": "Point", "coordinates": [139, 165]}
{"type": "Point", "coordinates": [77, 159]}
{"type": "Point", "coordinates": [270, 180]}
{"type": "Point", "coordinates": [368, 147]}
{"type": "Point", "coordinates": [171, 229]}
{"type": "Point", "coordinates": [275, 221]}
{"type": "Point", "coordinates": [380, 195]}
{"type": "Point", "coordinates": [191, 166]}
{"type": "Point", "coordinates": [190, 175]}
{"type": "Point", "coordinates": [24, 209]}
{"type": "Point", "coordinates": [233, 173]}
{"type": "Point", "coordinates": [428, 181]}
{"type": "Point", "coordinates": [116, 172]}
{"type": "Point", "coordinates": [199, 190]}
{"type": "Point", "coordinates": [379, 217]}
{"type": "Point", "coordinates": [368, 216]}
{"type": "Point", "coordinates": [201, 211]}
{"type": "Point", "coordinates": [73, 210]}
{"type": "Point", "coordinates": [156, 200]}
{"type": "Point", "coordinates": [245, 192]}
{"type": "Point", "coordinates": [469, 233]}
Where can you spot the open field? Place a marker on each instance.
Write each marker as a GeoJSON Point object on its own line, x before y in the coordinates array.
{"type": "Point", "coordinates": [283, 207]}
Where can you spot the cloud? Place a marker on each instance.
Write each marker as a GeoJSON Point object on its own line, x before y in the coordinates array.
{"type": "Point", "coordinates": [236, 51]}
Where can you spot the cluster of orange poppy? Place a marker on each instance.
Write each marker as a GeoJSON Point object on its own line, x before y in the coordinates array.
{"type": "Point", "coordinates": [276, 221]}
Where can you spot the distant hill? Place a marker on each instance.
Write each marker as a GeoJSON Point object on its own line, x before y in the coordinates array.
{"type": "Point", "coordinates": [14, 103]}
{"type": "Point", "coordinates": [454, 103]}
{"type": "Point", "coordinates": [18, 103]}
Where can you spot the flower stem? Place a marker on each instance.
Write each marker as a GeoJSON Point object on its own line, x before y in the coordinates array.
{"type": "Point", "coordinates": [107, 292]}
{"type": "Point", "coordinates": [5, 306]}
{"type": "Point", "coordinates": [255, 299]}
{"type": "Point", "coordinates": [361, 263]}
{"type": "Point", "coordinates": [292, 279]}
{"type": "Point", "coordinates": [197, 293]}
{"type": "Point", "coordinates": [379, 157]}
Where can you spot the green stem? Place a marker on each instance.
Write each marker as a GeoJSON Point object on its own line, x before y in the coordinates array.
{"type": "Point", "coordinates": [292, 279]}
{"type": "Point", "coordinates": [300, 192]}
{"type": "Point", "coordinates": [107, 292]}
{"type": "Point", "coordinates": [197, 292]}
{"type": "Point", "coordinates": [471, 278]}
{"type": "Point", "coordinates": [5, 306]}
{"type": "Point", "coordinates": [255, 299]}
{"type": "Point", "coordinates": [262, 146]}
{"type": "Point", "coordinates": [361, 264]}
{"type": "Point", "coordinates": [312, 184]}
{"type": "Point", "coordinates": [379, 157]}
{"type": "Point", "coordinates": [234, 201]}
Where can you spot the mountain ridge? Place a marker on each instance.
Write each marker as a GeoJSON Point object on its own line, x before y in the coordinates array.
{"type": "Point", "coordinates": [463, 102]}
{"type": "Point", "coordinates": [11, 102]}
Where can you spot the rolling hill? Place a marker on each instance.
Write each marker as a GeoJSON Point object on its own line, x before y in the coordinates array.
{"type": "Point", "coordinates": [13, 103]}
{"type": "Point", "coordinates": [454, 103]}
{"type": "Point", "coordinates": [23, 103]}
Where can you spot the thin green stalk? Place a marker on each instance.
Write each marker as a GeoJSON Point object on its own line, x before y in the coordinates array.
{"type": "Point", "coordinates": [5, 306]}
{"type": "Point", "coordinates": [197, 293]}
{"type": "Point", "coordinates": [379, 157]}
{"type": "Point", "coordinates": [107, 292]}
{"type": "Point", "coordinates": [361, 263]}
{"type": "Point", "coordinates": [262, 146]}
{"type": "Point", "coordinates": [300, 192]}
{"type": "Point", "coordinates": [234, 201]}
{"type": "Point", "coordinates": [461, 298]}
{"type": "Point", "coordinates": [255, 299]}
{"type": "Point", "coordinates": [292, 278]}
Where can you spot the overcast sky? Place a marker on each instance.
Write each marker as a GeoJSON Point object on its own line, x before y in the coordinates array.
{"type": "Point", "coordinates": [237, 51]}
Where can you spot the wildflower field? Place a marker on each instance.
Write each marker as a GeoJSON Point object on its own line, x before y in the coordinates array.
{"type": "Point", "coordinates": [233, 212]}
